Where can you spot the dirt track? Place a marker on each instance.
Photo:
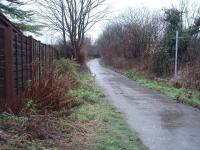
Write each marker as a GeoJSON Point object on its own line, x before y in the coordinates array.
{"type": "Point", "coordinates": [161, 123]}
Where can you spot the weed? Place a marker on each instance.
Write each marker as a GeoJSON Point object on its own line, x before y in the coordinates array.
{"type": "Point", "coordinates": [50, 92]}
{"type": "Point", "coordinates": [69, 67]}
{"type": "Point", "coordinates": [85, 112]}
{"type": "Point", "coordinates": [31, 106]}
{"type": "Point", "coordinates": [5, 116]}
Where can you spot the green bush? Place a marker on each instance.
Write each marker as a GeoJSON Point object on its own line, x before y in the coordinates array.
{"type": "Point", "coordinates": [163, 63]}
{"type": "Point", "coordinates": [69, 67]}
{"type": "Point", "coordinates": [85, 87]}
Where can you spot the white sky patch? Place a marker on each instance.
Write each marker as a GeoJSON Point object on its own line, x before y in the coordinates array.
{"type": "Point", "coordinates": [116, 7]}
{"type": "Point", "coordinates": [119, 6]}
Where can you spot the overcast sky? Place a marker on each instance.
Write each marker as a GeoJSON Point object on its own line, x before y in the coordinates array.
{"type": "Point", "coordinates": [117, 7]}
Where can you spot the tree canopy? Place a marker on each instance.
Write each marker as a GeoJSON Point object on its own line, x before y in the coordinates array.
{"type": "Point", "coordinates": [21, 18]}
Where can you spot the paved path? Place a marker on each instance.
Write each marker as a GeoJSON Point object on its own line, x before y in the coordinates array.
{"type": "Point", "coordinates": [161, 123]}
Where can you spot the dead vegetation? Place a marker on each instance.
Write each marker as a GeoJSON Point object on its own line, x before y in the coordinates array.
{"type": "Point", "coordinates": [45, 132]}
{"type": "Point", "coordinates": [50, 92]}
{"type": "Point", "coordinates": [189, 76]}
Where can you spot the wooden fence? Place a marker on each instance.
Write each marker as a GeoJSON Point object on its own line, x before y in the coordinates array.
{"type": "Point", "coordinates": [19, 56]}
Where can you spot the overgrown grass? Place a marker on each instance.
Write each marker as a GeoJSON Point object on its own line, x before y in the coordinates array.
{"type": "Point", "coordinates": [112, 130]}
{"type": "Point", "coordinates": [86, 89]}
{"type": "Point", "coordinates": [182, 95]}
{"type": "Point", "coordinates": [84, 86]}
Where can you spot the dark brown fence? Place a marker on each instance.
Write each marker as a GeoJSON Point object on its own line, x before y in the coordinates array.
{"type": "Point", "coordinates": [21, 59]}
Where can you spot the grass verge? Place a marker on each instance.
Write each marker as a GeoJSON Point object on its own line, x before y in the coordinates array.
{"type": "Point", "coordinates": [112, 131]}
{"type": "Point", "coordinates": [116, 134]}
{"type": "Point", "coordinates": [182, 95]}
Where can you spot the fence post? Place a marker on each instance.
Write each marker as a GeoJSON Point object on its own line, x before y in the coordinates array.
{"type": "Point", "coordinates": [40, 64]}
{"type": "Point", "coordinates": [45, 56]}
{"type": "Point", "coordinates": [22, 63]}
{"type": "Point", "coordinates": [30, 54]}
{"type": "Point", "coordinates": [2, 69]}
{"type": "Point", "coordinates": [9, 80]}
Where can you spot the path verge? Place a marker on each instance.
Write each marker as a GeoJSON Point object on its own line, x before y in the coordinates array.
{"type": "Point", "coordinates": [181, 95]}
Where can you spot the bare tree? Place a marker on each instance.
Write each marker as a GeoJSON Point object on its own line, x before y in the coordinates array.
{"type": "Point", "coordinates": [73, 18]}
{"type": "Point", "coordinates": [190, 11]}
{"type": "Point", "coordinates": [132, 39]}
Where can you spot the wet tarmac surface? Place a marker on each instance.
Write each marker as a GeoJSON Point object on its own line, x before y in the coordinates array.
{"type": "Point", "coordinates": [161, 123]}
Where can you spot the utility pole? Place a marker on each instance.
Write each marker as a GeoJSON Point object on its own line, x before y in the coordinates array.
{"type": "Point", "coordinates": [176, 54]}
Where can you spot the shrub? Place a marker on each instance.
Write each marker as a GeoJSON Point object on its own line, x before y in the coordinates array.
{"type": "Point", "coordinates": [163, 64]}
{"type": "Point", "coordinates": [189, 76]}
{"type": "Point", "coordinates": [50, 91]}
{"type": "Point", "coordinates": [69, 67]}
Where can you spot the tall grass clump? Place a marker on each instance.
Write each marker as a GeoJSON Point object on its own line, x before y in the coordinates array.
{"type": "Point", "coordinates": [69, 67]}
{"type": "Point", "coordinates": [86, 89]}
{"type": "Point", "coordinates": [63, 85]}
{"type": "Point", "coordinates": [84, 86]}
{"type": "Point", "coordinates": [50, 92]}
